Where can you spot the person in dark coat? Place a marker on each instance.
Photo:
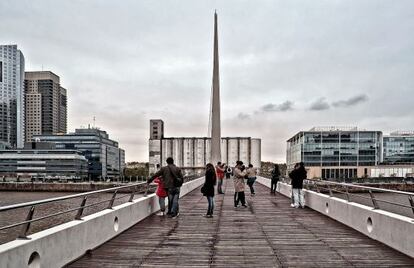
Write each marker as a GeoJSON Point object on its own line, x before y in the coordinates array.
{"type": "Point", "coordinates": [170, 175]}
{"type": "Point", "coordinates": [275, 179]}
{"type": "Point", "coordinates": [298, 175]}
{"type": "Point", "coordinates": [208, 188]}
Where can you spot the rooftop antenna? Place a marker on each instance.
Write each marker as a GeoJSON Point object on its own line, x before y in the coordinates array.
{"type": "Point", "coordinates": [94, 119]}
{"type": "Point", "coordinates": [42, 67]}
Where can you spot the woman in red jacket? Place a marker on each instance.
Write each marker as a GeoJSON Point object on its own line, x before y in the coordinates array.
{"type": "Point", "coordinates": [162, 194]}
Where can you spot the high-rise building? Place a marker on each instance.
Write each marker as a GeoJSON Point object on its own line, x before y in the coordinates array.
{"type": "Point", "coordinates": [46, 102]}
{"type": "Point", "coordinates": [63, 111]}
{"type": "Point", "coordinates": [334, 152]}
{"type": "Point", "coordinates": [12, 117]}
{"type": "Point", "coordinates": [399, 148]}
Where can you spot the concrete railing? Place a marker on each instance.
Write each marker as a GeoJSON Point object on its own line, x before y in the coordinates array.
{"type": "Point", "coordinates": [389, 228]}
{"type": "Point", "coordinates": [64, 243]}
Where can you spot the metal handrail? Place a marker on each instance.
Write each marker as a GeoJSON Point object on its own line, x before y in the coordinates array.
{"type": "Point", "coordinates": [65, 197]}
{"type": "Point", "coordinates": [365, 197]}
{"type": "Point", "coordinates": [29, 219]}
{"type": "Point", "coordinates": [319, 184]}
{"type": "Point", "coordinates": [362, 187]}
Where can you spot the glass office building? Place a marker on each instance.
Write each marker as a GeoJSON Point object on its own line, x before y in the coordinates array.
{"type": "Point", "coordinates": [399, 148]}
{"type": "Point", "coordinates": [335, 152]}
{"type": "Point", "coordinates": [105, 159]}
{"type": "Point", "coordinates": [46, 164]}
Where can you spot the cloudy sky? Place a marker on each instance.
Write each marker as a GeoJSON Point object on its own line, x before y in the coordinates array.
{"type": "Point", "coordinates": [285, 66]}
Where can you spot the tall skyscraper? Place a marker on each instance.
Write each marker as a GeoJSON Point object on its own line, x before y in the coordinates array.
{"type": "Point", "coordinates": [215, 105]}
{"type": "Point", "coordinates": [45, 104]}
{"type": "Point", "coordinates": [12, 101]}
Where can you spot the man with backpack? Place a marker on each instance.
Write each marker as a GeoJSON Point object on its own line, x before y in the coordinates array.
{"type": "Point", "coordinates": [173, 179]}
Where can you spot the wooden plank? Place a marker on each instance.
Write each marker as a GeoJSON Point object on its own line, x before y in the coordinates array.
{"type": "Point", "coordinates": [269, 233]}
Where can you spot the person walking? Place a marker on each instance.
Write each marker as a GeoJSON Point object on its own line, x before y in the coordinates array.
{"type": "Point", "coordinates": [161, 192]}
{"type": "Point", "coordinates": [208, 188]}
{"type": "Point", "coordinates": [173, 179]}
{"type": "Point", "coordinates": [239, 175]}
{"type": "Point", "coordinates": [297, 175]}
{"type": "Point", "coordinates": [251, 177]}
{"type": "Point", "coordinates": [275, 179]}
{"type": "Point", "coordinates": [220, 176]}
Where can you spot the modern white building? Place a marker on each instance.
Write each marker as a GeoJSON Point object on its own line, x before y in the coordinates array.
{"type": "Point", "coordinates": [399, 147]}
{"type": "Point", "coordinates": [12, 116]}
{"type": "Point", "coordinates": [193, 153]}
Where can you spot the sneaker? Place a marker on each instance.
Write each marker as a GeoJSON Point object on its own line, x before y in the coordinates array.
{"type": "Point", "coordinates": [175, 216]}
{"type": "Point", "coordinates": [292, 205]}
{"type": "Point", "coordinates": [244, 206]}
{"type": "Point", "coordinates": [161, 214]}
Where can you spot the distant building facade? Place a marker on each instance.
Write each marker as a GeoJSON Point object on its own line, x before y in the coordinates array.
{"type": "Point", "coordinates": [331, 153]}
{"type": "Point", "coordinates": [399, 148]}
{"type": "Point", "coordinates": [47, 164]}
{"type": "Point", "coordinates": [12, 117]}
{"type": "Point", "coordinates": [193, 153]}
{"type": "Point", "coordinates": [46, 104]}
{"type": "Point", "coordinates": [105, 158]}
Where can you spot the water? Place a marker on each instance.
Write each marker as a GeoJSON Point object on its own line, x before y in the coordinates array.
{"type": "Point", "coordinates": [18, 215]}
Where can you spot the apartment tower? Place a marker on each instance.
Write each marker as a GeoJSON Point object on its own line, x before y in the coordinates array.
{"type": "Point", "coordinates": [46, 102]}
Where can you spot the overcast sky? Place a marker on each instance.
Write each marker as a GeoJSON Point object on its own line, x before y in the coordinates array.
{"type": "Point", "coordinates": [285, 66]}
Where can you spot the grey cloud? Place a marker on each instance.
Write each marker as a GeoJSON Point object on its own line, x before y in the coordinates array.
{"type": "Point", "coordinates": [243, 116]}
{"type": "Point", "coordinates": [319, 105]}
{"type": "Point", "coordinates": [283, 107]}
{"type": "Point", "coordinates": [351, 101]}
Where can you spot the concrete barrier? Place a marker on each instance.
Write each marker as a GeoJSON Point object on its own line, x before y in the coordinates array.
{"type": "Point", "coordinates": [64, 243]}
{"type": "Point", "coordinates": [389, 228]}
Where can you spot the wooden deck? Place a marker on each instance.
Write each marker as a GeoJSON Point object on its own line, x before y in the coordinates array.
{"type": "Point", "coordinates": [269, 233]}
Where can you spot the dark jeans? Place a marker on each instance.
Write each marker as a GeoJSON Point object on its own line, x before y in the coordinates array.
{"type": "Point", "coordinates": [250, 182]}
{"type": "Point", "coordinates": [219, 186]}
{"type": "Point", "coordinates": [273, 185]}
{"type": "Point", "coordinates": [239, 196]}
{"type": "Point", "coordinates": [173, 196]}
{"type": "Point", "coordinates": [210, 200]}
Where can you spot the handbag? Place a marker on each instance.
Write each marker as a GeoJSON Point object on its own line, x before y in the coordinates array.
{"type": "Point", "coordinates": [178, 182]}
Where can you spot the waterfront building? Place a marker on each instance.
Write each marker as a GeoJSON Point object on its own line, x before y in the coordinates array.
{"type": "Point", "coordinates": [399, 148]}
{"type": "Point", "coordinates": [335, 152]}
{"type": "Point", "coordinates": [105, 159]}
{"type": "Point", "coordinates": [46, 102]}
{"type": "Point", "coordinates": [46, 164]}
{"type": "Point", "coordinates": [12, 117]}
{"type": "Point", "coordinates": [193, 153]}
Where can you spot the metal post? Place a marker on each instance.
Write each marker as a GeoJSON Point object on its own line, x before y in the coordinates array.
{"type": "Point", "coordinates": [330, 190]}
{"type": "Point", "coordinates": [132, 195]}
{"type": "Point", "coordinates": [111, 202]}
{"type": "Point", "coordinates": [374, 201]}
{"type": "Point", "coordinates": [411, 202]}
{"type": "Point", "coordinates": [80, 210]}
{"type": "Point", "coordinates": [26, 226]}
{"type": "Point", "coordinates": [347, 193]}
{"type": "Point", "coordinates": [317, 187]}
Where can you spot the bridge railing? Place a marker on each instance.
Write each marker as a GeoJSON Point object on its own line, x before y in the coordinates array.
{"type": "Point", "coordinates": [352, 190]}
{"type": "Point", "coordinates": [132, 189]}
